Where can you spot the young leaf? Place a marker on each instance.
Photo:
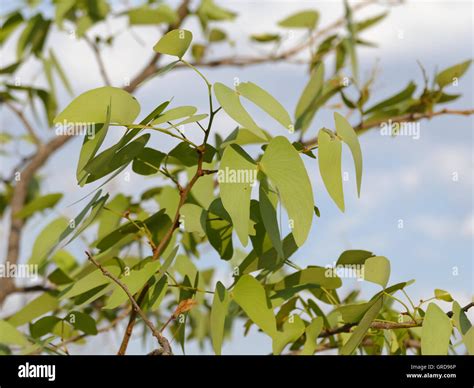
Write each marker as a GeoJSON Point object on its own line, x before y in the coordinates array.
{"type": "Point", "coordinates": [329, 153]}
{"type": "Point", "coordinates": [174, 114]}
{"type": "Point", "coordinates": [404, 95]}
{"type": "Point", "coordinates": [443, 295]}
{"type": "Point", "coordinates": [236, 176]}
{"type": "Point", "coordinates": [230, 102]}
{"type": "Point", "coordinates": [377, 270]}
{"type": "Point", "coordinates": [220, 305]}
{"type": "Point", "coordinates": [448, 75]}
{"type": "Point", "coordinates": [435, 332]}
{"type": "Point", "coordinates": [283, 165]}
{"type": "Point", "coordinates": [175, 42]}
{"type": "Point", "coordinates": [266, 102]}
{"type": "Point", "coordinates": [349, 136]}
{"type": "Point", "coordinates": [91, 107]}
{"type": "Point", "coordinates": [304, 19]}
{"type": "Point", "coordinates": [250, 295]}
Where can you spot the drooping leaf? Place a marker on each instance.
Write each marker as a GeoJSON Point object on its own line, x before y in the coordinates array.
{"type": "Point", "coordinates": [266, 102]}
{"type": "Point", "coordinates": [303, 19]}
{"type": "Point", "coordinates": [349, 136]}
{"type": "Point", "coordinates": [310, 93]}
{"type": "Point", "coordinates": [435, 332]}
{"type": "Point", "coordinates": [250, 295]}
{"type": "Point", "coordinates": [175, 43]}
{"type": "Point", "coordinates": [236, 176]}
{"type": "Point", "coordinates": [220, 305]}
{"type": "Point", "coordinates": [230, 102]}
{"type": "Point", "coordinates": [219, 230]}
{"type": "Point", "coordinates": [329, 152]}
{"type": "Point", "coordinates": [283, 165]}
{"type": "Point", "coordinates": [268, 201]}
{"type": "Point", "coordinates": [46, 240]}
{"type": "Point", "coordinates": [91, 107]}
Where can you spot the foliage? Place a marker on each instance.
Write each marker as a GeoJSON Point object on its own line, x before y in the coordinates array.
{"type": "Point", "coordinates": [218, 194]}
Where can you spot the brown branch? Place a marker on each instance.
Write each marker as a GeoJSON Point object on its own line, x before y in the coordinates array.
{"type": "Point", "coordinates": [99, 59]}
{"type": "Point", "coordinates": [377, 325]}
{"type": "Point", "coordinates": [25, 122]}
{"type": "Point", "coordinates": [162, 341]}
{"type": "Point", "coordinates": [410, 117]}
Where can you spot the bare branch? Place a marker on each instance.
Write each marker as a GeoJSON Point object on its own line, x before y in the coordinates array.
{"type": "Point", "coordinates": [100, 61]}
{"type": "Point", "coordinates": [25, 122]}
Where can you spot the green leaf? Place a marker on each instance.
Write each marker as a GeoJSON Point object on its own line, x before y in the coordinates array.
{"type": "Point", "coordinates": [148, 161]}
{"type": "Point", "coordinates": [460, 319]}
{"type": "Point", "coordinates": [91, 107]}
{"type": "Point", "coordinates": [329, 153]}
{"type": "Point", "coordinates": [230, 102]}
{"type": "Point", "coordinates": [312, 332]}
{"type": "Point", "coordinates": [44, 326]}
{"type": "Point", "coordinates": [293, 328]}
{"type": "Point", "coordinates": [312, 275]}
{"type": "Point", "coordinates": [193, 219]}
{"type": "Point", "coordinates": [9, 335]}
{"type": "Point", "coordinates": [404, 95]}
{"type": "Point", "coordinates": [283, 165]}
{"type": "Point", "coordinates": [435, 332]}
{"type": "Point", "coordinates": [39, 204]}
{"type": "Point", "coordinates": [219, 229]}
{"type": "Point", "coordinates": [266, 102]}
{"type": "Point", "coordinates": [268, 201]}
{"type": "Point", "coordinates": [448, 75]}
{"type": "Point", "coordinates": [47, 240]}
{"type": "Point", "coordinates": [82, 322]}
{"type": "Point", "coordinates": [310, 93]}
{"type": "Point", "coordinates": [304, 19]}
{"type": "Point", "coordinates": [157, 293]}
{"type": "Point", "coordinates": [175, 42]}
{"type": "Point", "coordinates": [250, 295]}
{"type": "Point", "coordinates": [443, 295]}
{"type": "Point", "coordinates": [174, 114]}
{"type": "Point", "coordinates": [220, 305]}
{"type": "Point", "coordinates": [209, 10]}
{"type": "Point", "coordinates": [217, 35]}
{"type": "Point", "coordinates": [265, 37]}
{"type": "Point", "coordinates": [364, 24]}
{"type": "Point", "coordinates": [349, 136]}
{"type": "Point", "coordinates": [360, 331]}
{"type": "Point", "coordinates": [41, 305]}
{"type": "Point", "coordinates": [236, 176]}
{"type": "Point", "coordinates": [377, 270]}
{"type": "Point", "coordinates": [146, 15]}
{"type": "Point", "coordinates": [242, 136]}
{"type": "Point", "coordinates": [354, 256]}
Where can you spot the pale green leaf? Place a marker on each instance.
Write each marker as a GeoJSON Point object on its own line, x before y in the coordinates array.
{"type": "Point", "coordinates": [449, 75]}
{"type": "Point", "coordinates": [219, 308]}
{"type": "Point", "coordinates": [44, 303]}
{"type": "Point", "coordinates": [175, 42]}
{"type": "Point", "coordinates": [349, 136]}
{"type": "Point", "coordinates": [311, 91]}
{"type": "Point", "coordinates": [9, 335]}
{"type": "Point", "coordinates": [312, 332]}
{"type": "Point", "coordinates": [303, 19]}
{"type": "Point", "coordinates": [293, 328]}
{"type": "Point", "coordinates": [39, 204]}
{"type": "Point", "coordinates": [283, 165]}
{"type": "Point", "coordinates": [250, 295]}
{"type": "Point", "coordinates": [329, 160]}
{"type": "Point", "coordinates": [377, 270]}
{"type": "Point", "coordinates": [266, 102]}
{"type": "Point", "coordinates": [236, 176]}
{"type": "Point", "coordinates": [435, 332]}
{"type": "Point", "coordinates": [91, 107]}
{"type": "Point", "coordinates": [443, 295]}
{"type": "Point", "coordinates": [47, 240]}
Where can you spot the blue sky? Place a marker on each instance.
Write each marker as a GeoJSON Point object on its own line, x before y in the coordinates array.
{"type": "Point", "coordinates": [404, 179]}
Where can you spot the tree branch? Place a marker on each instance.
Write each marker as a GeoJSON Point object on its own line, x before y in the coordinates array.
{"type": "Point", "coordinates": [100, 61]}
{"type": "Point", "coordinates": [162, 341]}
{"type": "Point", "coordinates": [25, 122]}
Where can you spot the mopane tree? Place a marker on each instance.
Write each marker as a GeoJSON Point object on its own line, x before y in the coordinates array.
{"type": "Point", "coordinates": [248, 197]}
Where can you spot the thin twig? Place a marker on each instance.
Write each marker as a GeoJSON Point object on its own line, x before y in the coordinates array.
{"type": "Point", "coordinates": [99, 59]}
{"type": "Point", "coordinates": [163, 342]}
{"type": "Point", "coordinates": [25, 122]}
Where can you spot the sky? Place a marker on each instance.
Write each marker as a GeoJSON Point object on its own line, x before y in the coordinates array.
{"type": "Point", "coordinates": [404, 179]}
